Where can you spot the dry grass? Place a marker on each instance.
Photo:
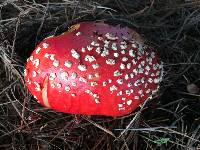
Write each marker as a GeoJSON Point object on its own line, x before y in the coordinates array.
{"type": "Point", "coordinates": [170, 121]}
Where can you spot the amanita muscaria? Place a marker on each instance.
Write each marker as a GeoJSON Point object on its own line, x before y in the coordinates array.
{"type": "Point", "coordinates": [93, 69]}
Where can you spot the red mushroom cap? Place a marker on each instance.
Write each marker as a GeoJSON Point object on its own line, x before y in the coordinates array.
{"type": "Point", "coordinates": [93, 69]}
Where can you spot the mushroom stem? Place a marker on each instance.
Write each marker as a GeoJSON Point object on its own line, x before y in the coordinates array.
{"type": "Point", "coordinates": [44, 92]}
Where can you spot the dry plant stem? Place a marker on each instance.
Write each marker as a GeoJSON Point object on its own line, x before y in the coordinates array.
{"type": "Point", "coordinates": [99, 126]}
{"type": "Point", "coordinates": [16, 109]}
{"type": "Point", "coordinates": [132, 121]}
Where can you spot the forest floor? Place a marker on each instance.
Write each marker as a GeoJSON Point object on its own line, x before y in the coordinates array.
{"type": "Point", "coordinates": [170, 121]}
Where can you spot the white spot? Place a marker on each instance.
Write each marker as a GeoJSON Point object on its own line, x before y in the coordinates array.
{"type": "Point", "coordinates": [25, 72]}
{"type": "Point", "coordinates": [45, 45]}
{"type": "Point", "coordinates": [31, 58]}
{"type": "Point", "coordinates": [120, 81]}
{"type": "Point", "coordinates": [123, 52]}
{"type": "Point", "coordinates": [34, 74]}
{"type": "Point", "coordinates": [46, 55]}
{"type": "Point", "coordinates": [123, 98]}
{"type": "Point", "coordinates": [146, 84]}
{"type": "Point", "coordinates": [134, 62]}
{"type": "Point", "coordinates": [150, 80]}
{"type": "Point", "coordinates": [142, 80]}
{"type": "Point", "coordinates": [36, 62]}
{"type": "Point", "coordinates": [109, 81]}
{"type": "Point", "coordinates": [113, 88]}
{"type": "Point", "coordinates": [52, 76]}
{"type": "Point", "coordinates": [152, 75]}
{"type": "Point", "coordinates": [100, 38]}
{"type": "Point", "coordinates": [147, 68]}
{"type": "Point", "coordinates": [89, 58]}
{"type": "Point", "coordinates": [90, 76]}
{"type": "Point", "coordinates": [83, 50]}
{"type": "Point", "coordinates": [74, 75]}
{"type": "Point", "coordinates": [95, 95]}
{"type": "Point", "coordinates": [56, 63]}
{"type": "Point", "coordinates": [128, 66]}
{"type": "Point", "coordinates": [128, 92]}
{"type": "Point", "coordinates": [82, 67]}
{"type": "Point", "coordinates": [105, 52]}
{"type": "Point", "coordinates": [124, 38]}
{"type": "Point", "coordinates": [93, 84]}
{"type": "Point", "coordinates": [140, 50]}
{"type": "Point", "coordinates": [139, 66]}
{"type": "Point", "coordinates": [124, 59]}
{"type": "Point", "coordinates": [142, 63]}
{"type": "Point", "coordinates": [73, 95]}
{"type": "Point", "coordinates": [152, 54]}
{"type": "Point", "coordinates": [157, 73]}
{"type": "Point", "coordinates": [156, 66]}
{"type": "Point", "coordinates": [134, 45]}
{"type": "Point", "coordinates": [82, 79]}
{"type": "Point", "coordinates": [67, 88]}
{"type": "Point", "coordinates": [64, 75]}
{"type": "Point", "coordinates": [106, 43]}
{"type": "Point", "coordinates": [39, 71]}
{"type": "Point", "coordinates": [114, 46]}
{"type": "Point", "coordinates": [129, 84]}
{"type": "Point", "coordinates": [156, 80]}
{"type": "Point", "coordinates": [123, 42]}
{"type": "Point", "coordinates": [37, 50]}
{"type": "Point", "coordinates": [78, 33]}
{"type": "Point", "coordinates": [59, 85]}
{"type": "Point", "coordinates": [104, 83]}
{"type": "Point", "coordinates": [148, 91]}
{"type": "Point", "coordinates": [110, 61]}
{"type": "Point", "coordinates": [96, 75]}
{"type": "Point", "coordinates": [119, 93]}
{"type": "Point", "coordinates": [121, 109]}
{"type": "Point", "coordinates": [120, 105]}
{"type": "Point", "coordinates": [88, 92]}
{"type": "Point", "coordinates": [117, 73]}
{"type": "Point", "coordinates": [28, 81]}
{"type": "Point", "coordinates": [94, 43]}
{"type": "Point", "coordinates": [126, 77]}
{"type": "Point", "coordinates": [129, 102]}
{"type": "Point", "coordinates": [98, 50]}
{"type": "Point", "coordinates": [124, 46]}
{"type": "Point", "coordinates": [140, 92]}
{"type": "Point", "coordinates": [131, 90]}
{"type": "Point", "coordinates": [97, 100]}
{"type": "Point", "coordinates": [37, 86]}
{"type": "Point", "coordinates": [132, 75]}
{"type": "Point", "coordinates": [89, 48]}
{"type": "Point", "coordinates": [135, 71]}
{"type": "Point", "coordinates": [140, 70]}
{"type": "Point", "coordinates": [116, 54]}
{"type": "Point", "coordinates": [73, 84]}
{"type": "Point", "coordinates": [75, 54]}
{"type": "Point", "coordinates": [110, 36]}
{"type": "Point", "coordinates": [136, 97]}
{"type": "Point", "coordinates": [53, 85]}
{"type": "Point", "coordinates": [52, 56]}
{"type": "Point", "coordinates": [136, 83]}
{"type": "Point", "coordinates": [122, 66]}
{"type": "Point", "coordinates": [68, 64]}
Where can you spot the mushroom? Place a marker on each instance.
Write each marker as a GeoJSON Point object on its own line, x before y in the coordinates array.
{"type": "Point", "coordinates": [94, 69]}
